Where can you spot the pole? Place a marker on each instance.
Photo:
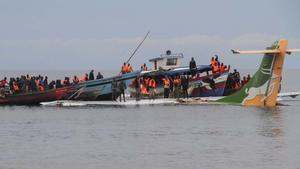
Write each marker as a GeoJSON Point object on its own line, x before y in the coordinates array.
{"type": "Point", "coordinates": [138, 47]}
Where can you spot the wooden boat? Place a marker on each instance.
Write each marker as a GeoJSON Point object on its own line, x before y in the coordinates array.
{"type": "Point", "coordinates": [35, 98]}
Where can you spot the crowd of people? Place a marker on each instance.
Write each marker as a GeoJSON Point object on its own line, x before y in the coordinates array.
{"type": "Point", "coordinates": [24, 84]}
{"type": "Point", "coordinates": [235, 82]}
{"type": "Point", "coordinates": [173, 86]}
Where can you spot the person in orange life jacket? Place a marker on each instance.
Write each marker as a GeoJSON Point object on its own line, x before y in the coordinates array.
{"type": "Point", "coordinates": [212, 62]}
{"type": "Point", "coordinates": [222, 68]}
{"type": "Point", "coordinates": [129, 68]}
{"type": "Point", "coordinates": [152, 86]}
{"type": "Point", "coordinates": [124, 68]}
{"type": "Point", "coordinates": [85, 78]}
{"type": "Point", "coordinates": [215, 67]}
{"type": "Point", "coordinates": [15, 88]}
{"type": "Point", "coordinates": [3, 82]}
{"type": "Point", "coordinates": [144, 67]}
{"type": "Point", "coordinates": [177, 84]}
{"type": "Point", "coordinates": [167, 83]}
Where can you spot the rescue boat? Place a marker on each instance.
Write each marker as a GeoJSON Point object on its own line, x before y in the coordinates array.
{"type": "Point", "coordinates": [35, 98]}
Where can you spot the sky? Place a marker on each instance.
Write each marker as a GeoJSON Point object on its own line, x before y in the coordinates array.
{"type": "Point", "coordinates": [102, 34]}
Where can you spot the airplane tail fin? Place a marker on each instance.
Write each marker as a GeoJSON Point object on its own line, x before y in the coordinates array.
{"type": "Point", "coordinates": [262, 89]}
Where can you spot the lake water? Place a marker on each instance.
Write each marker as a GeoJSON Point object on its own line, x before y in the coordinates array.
{"type": "Point", "coordinates": [152, 137]}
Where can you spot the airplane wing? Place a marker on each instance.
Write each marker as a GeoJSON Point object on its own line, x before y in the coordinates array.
{"type": "Point", "coordinates": [288, 51]}
{"type": "Point", "coordinates": [289, 94]}
{"type": "Point", "coordinates": [236, 51]}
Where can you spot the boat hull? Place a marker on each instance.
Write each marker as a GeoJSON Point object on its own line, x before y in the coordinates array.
{"type": "Point", "coordinates": [208, 86]}
{"type": "Point", "coordinates": [35, 98]}
{"type": "Point", "coordinates": [101, 89]}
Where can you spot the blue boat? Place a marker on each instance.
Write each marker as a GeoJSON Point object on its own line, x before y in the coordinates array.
{"type": "Point", "coordinates": [100, 89]}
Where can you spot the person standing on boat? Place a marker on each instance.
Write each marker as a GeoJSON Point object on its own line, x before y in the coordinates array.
{"type": "Point", "coordinates": [167, 83]}
{"type": "Point", "coordinates": [45, 83]}
{"type": "Point", "coordinates": [152, 86]}
{"type": "Point", "coordinates": [122, 88]}
{"type": "Point", "coordinates": [193, 67]}
{"type": "Point", "coordinates": [129, 68]}
{"type": "Point", "coordinates": [185, 86]}
{"type": "Point", "coordinates": [91, 75]}
{"type": "Point", "coordinates": [99, 76]}
{"type": "Point", "coordinates": [124, 68]}
{"type": "Point", "coordinates": [144, 67]}
{"type": "Point", "coordinates": [177, 84]}
{"type": "Point", "coordinates": [137, 86]}
{"type": "Point", "coordinates": [114, 87]}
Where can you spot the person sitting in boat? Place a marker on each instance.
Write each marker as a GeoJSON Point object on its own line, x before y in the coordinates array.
{"type": "Point", "coordinates": [58, 84]}
{"type": "Point", "coordinates": [122, 88]}
{"type": "Point", "coordinates": [215, 68]}
{"type": "Point", "coordinates": [75, 80]}
{"type": "Point", "coordinates": [193, 67]}
{"type": "Point", "coordinates": [99, 76]}
{"type": "Point", "coordinates": [84, 78]}
{"type": "Point", "coordinates": [15, 88]}
{"type": "Point", "coordinates": [91, 75]}
{"type": "Point", "coordinates": [45, 83]}
{"type": "Point", "coordinates": [51, 84]}
{"type": "Point", "coordinates": [222, 68]}
{"type": "Point", "coordinates": [248, 77]}
{"type": "Point", "coordinates": [144, 67]}
{"type": "Point", "coordinates": [66, 82]}
{"type": "Point", "coordinates": [2, 92]}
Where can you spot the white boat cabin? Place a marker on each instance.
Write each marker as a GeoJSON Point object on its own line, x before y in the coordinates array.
{"type": "Point", "coordinates": [167, 61]}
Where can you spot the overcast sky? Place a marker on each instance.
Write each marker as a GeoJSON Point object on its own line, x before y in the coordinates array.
{"type": "Point", "coordinates": [101, 34]}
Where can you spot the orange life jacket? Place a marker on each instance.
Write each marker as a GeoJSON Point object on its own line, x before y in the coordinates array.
{"type": "Point", "coordinates": [166, 83]}
{"type": "Point", "coordinates": [152, 83]}
{"type": "Point", "coordinates": [176, 83]}
{"type": "Point", "coordinates": [41, 88]}
{"type": "Point", "coordinates": [124, 69]}
{"type": "Point", "coordinates": [222, 69]}
{"type": "Point", "coordinates": [16, 87]}
{"type": "Point", "coordinates": [215, 68]}
{"type": "Point", "coordinates": [84, 78]}
{"type": "Point", "coordinates": [128, 69]}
